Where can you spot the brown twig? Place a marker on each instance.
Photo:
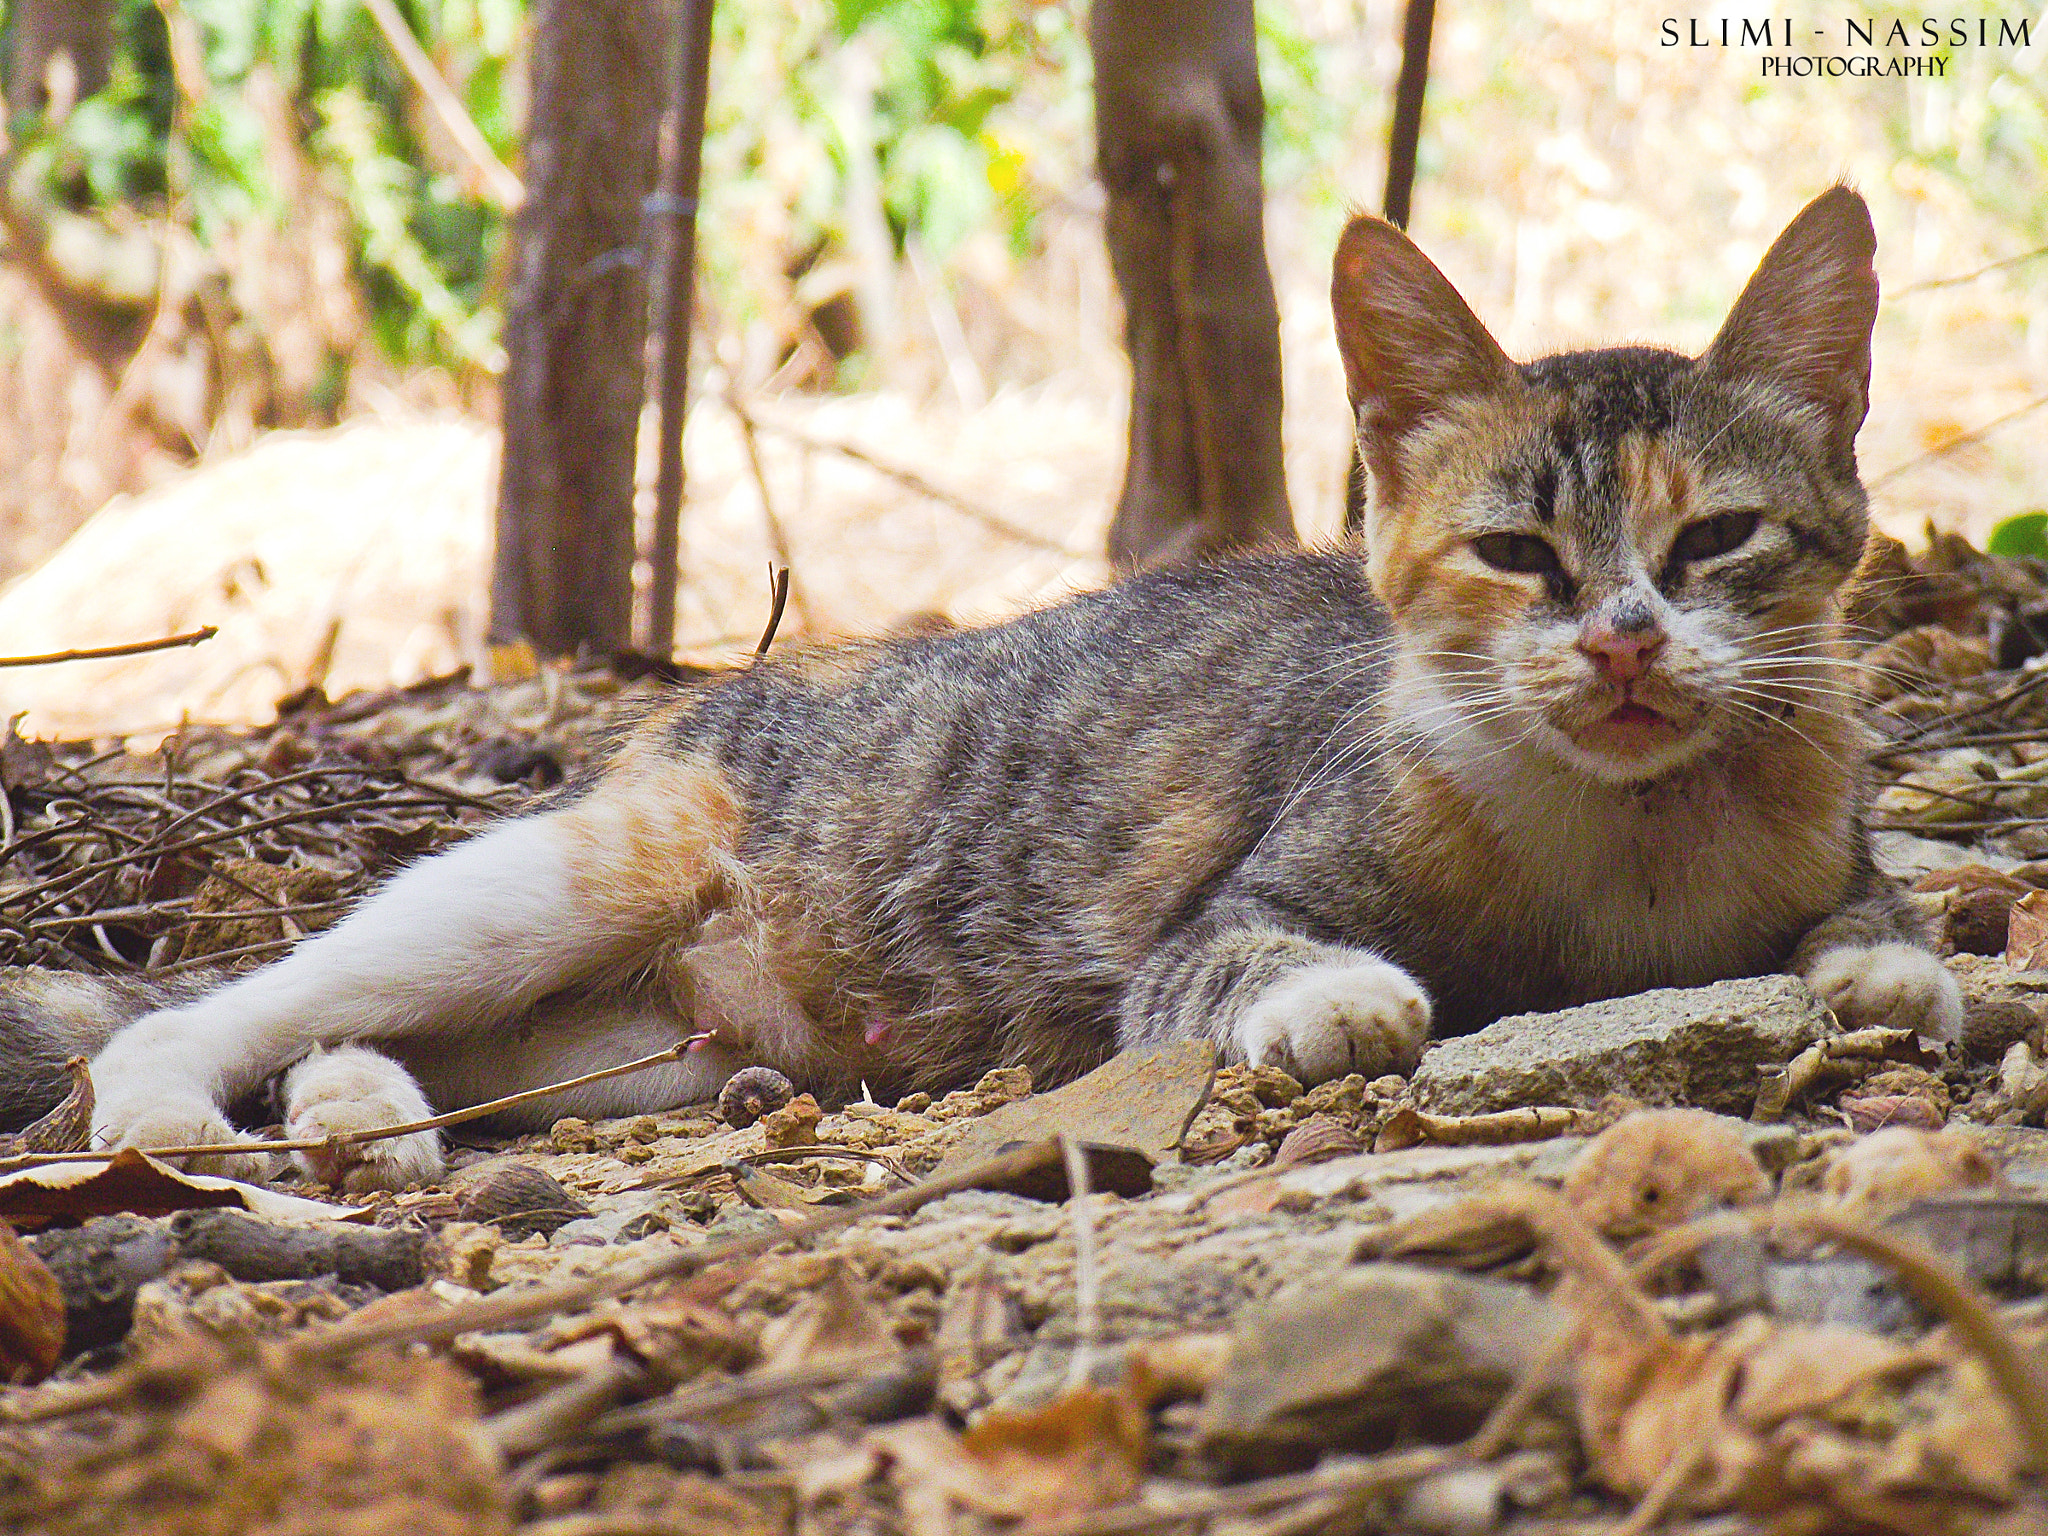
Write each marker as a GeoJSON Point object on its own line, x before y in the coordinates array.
{"type": "Point", "coordinates": [778, 589]}
{"type": "Point", "coordinates": [504, 1310]}
{"type": "Point", "coordinates": [911, 480]}
{"type": "Point", "coordinates": [778, 536]}
{"type": "Point", "coordinates": [96, 653]}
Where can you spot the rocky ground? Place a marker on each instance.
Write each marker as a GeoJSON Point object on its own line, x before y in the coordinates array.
{"type": "Point", "coordinates": [1693, 1260]}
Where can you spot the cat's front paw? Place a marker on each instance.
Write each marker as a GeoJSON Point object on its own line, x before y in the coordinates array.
{"type": "Point", "coordinates": [172, 1117]}
{"type": "Point", "coordinates": [1898, 986]}
{"type": "Point", "coordinates": [332, 1093]}
{"type": "Point", "coordinates": [1323, 1021]}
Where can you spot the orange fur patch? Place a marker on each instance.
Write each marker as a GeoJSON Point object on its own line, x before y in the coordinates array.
{"type": "Point", "coordinates": [1185, 846]}
{"type": "Point", "coordinates": [1660, 487]}
{"type": "Point", "coordinates": [653, 843]}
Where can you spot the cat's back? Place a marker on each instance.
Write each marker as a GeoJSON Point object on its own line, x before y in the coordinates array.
{"type": "Point", "coordinates": [1213, 669]}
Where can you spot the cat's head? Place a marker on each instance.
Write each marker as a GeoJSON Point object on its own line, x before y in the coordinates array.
{"type": "Point", "coordinates": [1622, 557]}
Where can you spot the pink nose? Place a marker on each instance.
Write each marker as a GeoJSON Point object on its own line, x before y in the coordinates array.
{"type": "Point", "coordinates": [1620, 654]}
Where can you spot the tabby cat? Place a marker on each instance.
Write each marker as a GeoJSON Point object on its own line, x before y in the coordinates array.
{"type": "Point", "coordinates": [1572, 722]}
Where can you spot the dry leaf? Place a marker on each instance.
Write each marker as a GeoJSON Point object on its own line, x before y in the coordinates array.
{"type": "Point", "coordinates": [137, 1184]}
{"type": "Point", "coordinates": [31, 1312]}
{"type": "Point", "coordinates": [1084, 1450]}
{"type": "Point", "coordinates": [67, 1128]}
{"type": "Point", "coordinates": [836, 1322]}
{"type": "Point", "coordinates": [2026, 938]}
{"type": "Point", "coordinates": [1659, 1168]}
{"type": "Point", "coordinates": [1901, 1163]}
{"type": "Point", "coordinates": [1539, 1122]}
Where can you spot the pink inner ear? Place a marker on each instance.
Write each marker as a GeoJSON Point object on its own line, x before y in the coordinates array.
{"type": "Point", "coordinates": [1410, 344]}
{"type": "Point", "coordinates": [1804, 319]}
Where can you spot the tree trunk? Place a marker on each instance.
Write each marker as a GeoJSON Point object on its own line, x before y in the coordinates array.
{"type": "Point", "coordinates": [77, 35]}
{"type": "Point", "coordinates": [576, 328]}
{"type": "Point", "coordinates": [1178, 114]}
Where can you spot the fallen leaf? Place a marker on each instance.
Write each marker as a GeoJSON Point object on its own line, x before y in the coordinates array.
{"type": "Point", "coordinates": [837, 1321]}
{"type": "Point", "coordinates": [1084, 1450]}
{"type": "Point", "coordinates": [1408, 1127]}
{"type": "Point", "coordinates": [2026, 941]}
{"type": "Point", "coordinates": [1140, 1099]}
{"type": "Point", "coordinates": [1659, 1168]}
{"type": "Point", "coordinates": [136, 1184]}
{"type": "Point", "coordinates": [67, 1128]}
{"type": "Point", "coordinates": [31, 1312]}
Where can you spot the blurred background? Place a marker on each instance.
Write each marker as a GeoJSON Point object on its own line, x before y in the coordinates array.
{"type": "Point", "coordinates": [253, 302]}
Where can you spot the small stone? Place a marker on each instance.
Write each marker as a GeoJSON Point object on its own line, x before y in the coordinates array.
{"type": "Point", "coordinates": [1143, 1099]}
{"type": "Point", "coordinates": [1392, 1086]}
{"type": "Point", "coordinates": [1275, 1088]}
{"type": "Point", "coordinates": [1003, 1085]}
{"type": "Point", "coordinates": [570, 1134]}
{"type": "Point", "coordinates": [514, 1196]}
{"type": "Point", "coordinates": [793, 1125]}
{"type": "Point", "coordinates": [636, 1152]}
{"type": "Point", "coordinates": [1692, 1045]}
{"type": "Point", "coordinates": [2000, 1004]}
{"type": "Point", "coordinates": [1342, 1098]}
{"type": "Point", "coordinates": [914, 1103]}
{"type": "Point", "coordinates": [1361, 1355]}
{"type": "Point", "coordinates": [1274, 1124]}
{"type": "Point", "coordinates": [643, 1129]}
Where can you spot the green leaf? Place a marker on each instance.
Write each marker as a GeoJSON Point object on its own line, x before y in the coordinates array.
{"type": "Point", "coordinates": [2024, 535]}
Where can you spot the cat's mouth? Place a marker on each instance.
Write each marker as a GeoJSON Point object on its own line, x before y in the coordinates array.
{"type": "Point", "coordinates": [1631, 730]}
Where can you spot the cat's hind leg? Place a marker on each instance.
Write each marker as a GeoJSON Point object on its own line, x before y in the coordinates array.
{"type": "Point", "coordinates": [470, 937]}
{"type": "Point", "coordinates": [1268, 996]}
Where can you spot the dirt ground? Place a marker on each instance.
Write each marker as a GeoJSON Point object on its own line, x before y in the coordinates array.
{"type": "Point", "coordinates": [1692, 1260]}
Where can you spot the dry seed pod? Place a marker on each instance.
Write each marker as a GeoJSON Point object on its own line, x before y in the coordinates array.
{"type": "Point", "coordinates": [753, 1092]}
{"type": "Point", "coordinates": [67, 1128]}
{"type": "Point", "coordinates": [1316, 1140]}
{"type": "Point", "coordinates": [515, 1197]}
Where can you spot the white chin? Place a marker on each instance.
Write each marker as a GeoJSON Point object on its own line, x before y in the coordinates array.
{"type": "Point", "coordinates": [1632, 763]}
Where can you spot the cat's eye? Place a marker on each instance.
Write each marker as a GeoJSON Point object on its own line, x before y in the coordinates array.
{"type": "Point", "coordinates": [1523, 553]}
{"type": "Point", "coordinates": [1712, 536]}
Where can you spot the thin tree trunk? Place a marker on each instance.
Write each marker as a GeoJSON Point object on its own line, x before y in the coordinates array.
{"type": "Point", "coordinates": [1178, 114]}
{"type": "Point", "coordinates": [575, 329]}
{"type": "Point", "coordinates": [80, 33]}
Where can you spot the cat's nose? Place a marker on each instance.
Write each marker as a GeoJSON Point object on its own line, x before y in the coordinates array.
{"type": "Point", "coordinates": [1621, 652]}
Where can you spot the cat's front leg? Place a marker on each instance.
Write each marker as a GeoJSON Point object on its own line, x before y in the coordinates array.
{"type": "Point", "coordinates": [1868, 961]}
{"type": "Point", "coordinates": [1269, 997]}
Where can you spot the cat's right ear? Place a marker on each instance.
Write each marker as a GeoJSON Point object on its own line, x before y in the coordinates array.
{"type": "Point", "coordinates": [1411, 345]}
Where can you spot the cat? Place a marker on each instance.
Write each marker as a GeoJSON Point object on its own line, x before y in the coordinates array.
{"type": "Point", "coordinates": [1573, 721]}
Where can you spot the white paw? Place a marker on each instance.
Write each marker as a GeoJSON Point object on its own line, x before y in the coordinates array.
{"type": "Point", "coordinates": [1323, 1021]}
{"type": "Point", "coordinates": [1899, 986]}
{"type": "Point", "coordinates": [177, 1117]}
{"type": "Point", "coordinates": [334, 1092]}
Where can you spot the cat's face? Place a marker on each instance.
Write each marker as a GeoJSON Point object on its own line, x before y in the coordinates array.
{"type": "Point", "coordinates": [1619, 558]}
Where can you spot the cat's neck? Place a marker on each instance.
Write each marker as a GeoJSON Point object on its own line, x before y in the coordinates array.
{"type": "Point", "coordinates": [1688, 874]}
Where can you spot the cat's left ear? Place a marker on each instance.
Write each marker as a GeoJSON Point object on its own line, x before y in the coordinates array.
{"type": "Point", "coordinates": [1803, 322]}
{"type": "Point", "coordinates": [1412, 347]}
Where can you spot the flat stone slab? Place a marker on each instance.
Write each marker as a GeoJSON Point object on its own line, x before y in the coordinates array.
{"type": "Point", "coordinates": [1698, 1046]}
{"type": "Point", "coordinates": [1143, 1099]}
{"type": "Point", "coordinates": [1348, 1359]}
